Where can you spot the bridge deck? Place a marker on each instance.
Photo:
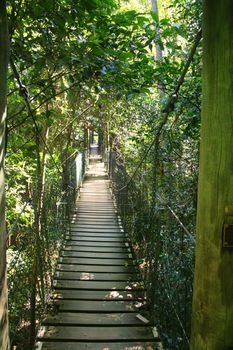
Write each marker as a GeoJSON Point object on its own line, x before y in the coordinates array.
{"type": "Point", "coordinates": [97, 288]}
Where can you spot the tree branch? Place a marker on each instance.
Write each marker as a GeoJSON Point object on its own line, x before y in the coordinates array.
{"type": "Point", "coordinates": [72, 121]}
{"type": "Point", "coordinates": [169, 107]}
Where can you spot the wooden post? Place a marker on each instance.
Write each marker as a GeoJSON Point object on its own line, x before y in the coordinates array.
{"type": "Point", "coordinates": [212, 319]}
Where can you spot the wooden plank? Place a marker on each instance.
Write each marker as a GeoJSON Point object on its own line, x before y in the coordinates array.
{"type": "Point", "coordinates": [85, 222]}
{"type": "Point", "coordinates": [107, 205]}
{"type": "Point", "coordinates": [95, 229]}
{"type": "Point", "coordinates": [98, 225]}
{"type": "Point", "coordinates": [98, 255]}
{"type": "Point", "coordinates": [95, 198]}
{"type": "Point", "coordinates": [96, 217]}
{"type": "Point", "coordinates": [93, 218]}
{"type": "Point", "coordinates": [96, 268]}
{"type": "Point", "coordinates": [86, 213]}
{"type": "Point", "coordinates": [74, 243]}
{"type": "Point", "coordinates": [70, 294]}
{"type": "Point", "coordinates": [88, 261]}
{"type": "Point", "coordinates": [93, 187]}
{"type": "Point", "coordinates": [97, 213]}
{"type": "Point", "coordinates": [96, 306]}
{"type": "Point", "coordinates": [97, 234]}
{"type": "Point", "coordinates": [96, 276]}
{"type": "Point", "coordinates": [103, 195]}
{"type": "Point", "coordinates": [98, 204]}
{"type": "Point", "coordinates": [106, 236]}
{"type": "Point", "coordinates": [94, 249]}
{"type": "Point", "coordinates": [87, 183]}
{"type": "Point", "coordinates": [100, 333]}
{"type": "Point", "coordinates": [92, 319]}
{"type": "Point", "coordinates": [96, 285]}
{"type": "Point", "coordinates": [90, 216]}
{"type": "Point", "coordinates": [96, 210]}
{"type": "Point", "coordinates": [95, 221]}
{"type": "Point", "coordinates": [90, 194]}
{"type": "Point", "coordinates": [98, 221]}
{"type": "Point", "coordinates": [98, 239]}
{"type": "Point", "coordinates": [97, 346]}
{"type": "Point", "coordinates": [110, 207]}
{"type": "Point", "coordinates": [101, 183]}
{"type": "Point", "coordinates": [92, 181]}
{"type": "Point", "coordinates": [96, 174]}
{"type": "Point", "coordinates": [105, 199]}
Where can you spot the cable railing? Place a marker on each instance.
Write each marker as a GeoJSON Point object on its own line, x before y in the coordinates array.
{"type": "Point", "coordinates": [163, 241]}
{"type": "Point", "coordinates": [24, 247]}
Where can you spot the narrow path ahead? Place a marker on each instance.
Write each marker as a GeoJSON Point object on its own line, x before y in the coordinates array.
{"type": "Point", "coordinates": [96, 287]}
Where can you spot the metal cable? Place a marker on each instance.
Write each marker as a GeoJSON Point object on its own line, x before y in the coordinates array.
{"type": "Point", "coordinates": [172, 212]}
{"type": "Point", "coordinates": [177, 218]}
{"type": "Point", "coordinates": [177, 315]}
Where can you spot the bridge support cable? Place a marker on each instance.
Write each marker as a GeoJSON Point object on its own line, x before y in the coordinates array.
{"type": "Point", "coordinates": [162, 242]}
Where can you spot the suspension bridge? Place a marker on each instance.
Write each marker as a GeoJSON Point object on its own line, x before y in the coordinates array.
{"type": "Point", "coordinates": [99, 298]}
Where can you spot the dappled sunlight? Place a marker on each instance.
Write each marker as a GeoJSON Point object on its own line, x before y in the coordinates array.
{"type": "Point", "coordinates": [115, 295]}
{"type": "Point", "coordinates": [87, 276]}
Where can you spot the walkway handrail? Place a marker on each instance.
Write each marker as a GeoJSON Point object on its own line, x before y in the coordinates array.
{"type": "Point", "coordinates": [163, 202]}
{"type": "Point", "coordinates": [160, 239]}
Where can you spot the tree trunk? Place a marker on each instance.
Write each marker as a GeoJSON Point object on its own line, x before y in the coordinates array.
{"type": "Point", "coordinates": [161, 90]}
{"type": "Point", "coordinates": [158, 50]}
{"type": "Point", "coordinates": [212, 319]}
{"type": "Point", "coordinates": [32, 329]}
{"type": "Point", "coordinates": [155, 9]}
{"type": "Point", "coordinates": [43, 215]}
{"type": "Point", "coordinates": [4, 341]}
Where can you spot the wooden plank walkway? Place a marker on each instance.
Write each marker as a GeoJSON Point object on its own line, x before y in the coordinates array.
{"type": "Point", "coordinates": [97, 289]}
